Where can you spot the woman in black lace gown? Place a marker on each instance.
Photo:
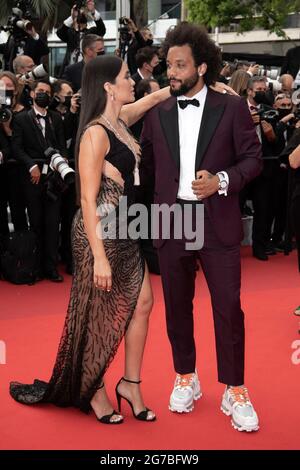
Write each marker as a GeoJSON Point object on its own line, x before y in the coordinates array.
{"type": "Point", "coordinates": [111, 294]}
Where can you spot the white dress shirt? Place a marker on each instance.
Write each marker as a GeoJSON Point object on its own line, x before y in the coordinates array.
{"type": "Point", "coordinates": [43, 128]}
{"type": "Point", "coordinates": [189, 122]}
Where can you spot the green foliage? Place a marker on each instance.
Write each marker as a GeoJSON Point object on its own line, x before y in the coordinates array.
{"type": "Point", "coordinates": [266, 14]}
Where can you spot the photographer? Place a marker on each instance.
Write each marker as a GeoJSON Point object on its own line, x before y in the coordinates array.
{"type": "Point", "coordinates": [4, 155]}
{"type": "Point", "coordinates": [10, 169]}
{"type": "Point", "coordinates": [291, 156]}
{"type": "Point", "coordinates": [136, 40]}
{"type": "Point", "coordinates": [146, 60]}
{"type": "Point", "coordinates": [285, 126]}
{"type": "Point", "coordinates": [23, 38]}
{"type": "Point", "coordinates": [92, 46]}
{"type": "Point", "coordinates": [68, 106]}
{"type": "Point", "coordinates": [262, 187]}
{"type": "Point", "coordinates": [84, 19]}
{"type": "Point", "coordinates": [34, 131]}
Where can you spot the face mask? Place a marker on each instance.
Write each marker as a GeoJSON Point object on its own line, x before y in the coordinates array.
{"type": "Point", "coordinates": [42, 99]}
{"type": "Point", "coordinates": [261, 98]}
{"type": "Point", "coordinates": [282, 112]}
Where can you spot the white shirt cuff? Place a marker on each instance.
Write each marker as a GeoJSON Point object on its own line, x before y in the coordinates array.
{"type": "Point", "coordinates": [1, 158]}
{"type": "Point", "coordinates": [36, 37]}
{"type": "Point", "coordinates": [68, 22]}
{"type": "Point", "coordinates": [30, 169]}
{"type": "Point", "coordinates": [224, 176]}
{"type": "Point", "coordinates": [97, 15]}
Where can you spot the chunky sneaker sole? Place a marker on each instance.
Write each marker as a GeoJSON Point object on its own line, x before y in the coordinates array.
{"type": "Point", "coordinates": [187, 408]}
{"type": "Point", "coordinates": [227, 410]}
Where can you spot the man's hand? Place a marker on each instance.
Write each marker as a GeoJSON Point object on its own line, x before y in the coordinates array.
{"type": "Point", "coordinates": [74, 103]}
{"type": "Point", "coordinates": [132, 25]}
{"type": "Point", "coordinates": [253, 69]}
{"type": "Point", "coordinates": [90, 5]}
{"type": "Point", "coordinates": [225, 70]}
{"type": "Point", "coordinates": [74, 13]}
{"type": "Point", "coordinates": [256, 118]}
{"type": "Point", "coordinates": [31, 31]}
{"type": "Point", "coordinates": [287, 118]}
{"type": "Point", "coordinates": [35, 175]}
{"type": "Point", "coordinates": [268, 131]}
{"type": "Point", "coordinates": [205, 185]}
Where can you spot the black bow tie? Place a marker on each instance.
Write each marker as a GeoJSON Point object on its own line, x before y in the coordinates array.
{"type": "Point", "coordinates": [40, 116]}
{"type": "Point", "coordinates": [184, 103]}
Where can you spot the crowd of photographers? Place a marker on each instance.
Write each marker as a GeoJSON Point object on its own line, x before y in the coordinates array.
{"type": "Point", "coordinates": [39, 117]}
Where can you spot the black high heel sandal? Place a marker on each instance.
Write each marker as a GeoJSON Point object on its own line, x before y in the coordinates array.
{"type": "Point", "coordinates": [106, 418]}
{"type": "Point", "coordinates": [143, 415]}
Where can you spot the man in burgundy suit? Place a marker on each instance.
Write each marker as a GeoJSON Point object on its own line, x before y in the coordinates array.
{"type": "Point", "coordinates": [202, 148]}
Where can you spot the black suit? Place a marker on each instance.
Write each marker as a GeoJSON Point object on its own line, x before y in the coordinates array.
{"type": "Point", "coordinates": [35, 49]}
{"type": "Point", "coordinates": [4, 148]}
{"type": "Point", "coordinates": [291, 62]}
{"type": "Point", "coordinates": [73, 74]}
{"type": "Point", "coordinates": [44, 213]}
{"type": "Point", "coordinates": [72, 38]}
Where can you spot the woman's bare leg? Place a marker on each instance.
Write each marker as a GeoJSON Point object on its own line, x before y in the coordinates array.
{"type": "Point", "coordinates": [135, 339]}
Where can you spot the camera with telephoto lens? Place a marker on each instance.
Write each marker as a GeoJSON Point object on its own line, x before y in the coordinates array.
{"type": "Point", "coordinates": [40, 71]}
{"type": "Point", "coordinates": [124, 36]}
{"type": "Point", "coordinates": [20, 21]}
{"type": "Point", "coordinates": [61, 176]}
{"type": "Point", "coordinates": [59, 164]}
{"type": "Point", "coordinates": [79, 7]}
{"type": "Point", "coordinates": [6, 104]}
{"type": "Point", "coordinates": [124, 29]}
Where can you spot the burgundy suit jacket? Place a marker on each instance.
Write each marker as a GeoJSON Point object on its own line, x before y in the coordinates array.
{"type": "Point", "coordinates": [227, 141]}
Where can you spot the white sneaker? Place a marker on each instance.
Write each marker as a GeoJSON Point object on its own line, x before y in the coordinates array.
{"type": "Point", "coordinates": [236, 403]}
{"type": "Point", "coordinates": [186, 390]}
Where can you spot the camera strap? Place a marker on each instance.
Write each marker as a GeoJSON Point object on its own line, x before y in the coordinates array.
{"type": "Point", "coordinates": [44, 139]}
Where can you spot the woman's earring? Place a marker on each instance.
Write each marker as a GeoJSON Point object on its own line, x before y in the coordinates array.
{"type": "Point", "coordinates": [112, 97]}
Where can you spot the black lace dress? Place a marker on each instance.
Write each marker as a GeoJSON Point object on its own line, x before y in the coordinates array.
{"type": "Point", "coordinates": [96, 320]}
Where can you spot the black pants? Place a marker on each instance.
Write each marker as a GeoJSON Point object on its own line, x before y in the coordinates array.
{"type": "Point", "coordinates": [16, 197]}
{"type": "Point", "coordinates": [3, 200]}
{"type": "Point", "coordinates": [44, 217]}
{"type": "Point", "coordinates": [263, 190]}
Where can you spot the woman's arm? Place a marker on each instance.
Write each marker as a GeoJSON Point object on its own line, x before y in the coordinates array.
{"type": "Point", "coordinates": [133, 112]}
{"type": "Point", "coordinates": [93, 148]}
{"type": "Point", "coordinates": [294, 158]}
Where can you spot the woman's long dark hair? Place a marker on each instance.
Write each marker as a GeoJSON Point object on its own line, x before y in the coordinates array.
{"type": "Point", "coordinates": [98, 71]}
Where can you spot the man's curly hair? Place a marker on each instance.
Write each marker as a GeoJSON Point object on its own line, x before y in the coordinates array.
{"type": "Point", "coordinates": [203, 48]}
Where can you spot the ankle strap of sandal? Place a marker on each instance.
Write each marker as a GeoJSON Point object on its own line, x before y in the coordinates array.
{"type": "Point", "coordinates": [131, 381]}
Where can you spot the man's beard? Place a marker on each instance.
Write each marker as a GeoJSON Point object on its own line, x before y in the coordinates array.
{"type": "Point", "coordinates": [186, 86]}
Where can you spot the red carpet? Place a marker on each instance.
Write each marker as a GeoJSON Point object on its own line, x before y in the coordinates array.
{"type": "Point", "coordinates": [31, 321]}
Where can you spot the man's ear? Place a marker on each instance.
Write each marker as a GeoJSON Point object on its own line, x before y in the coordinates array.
{"type": "Point", "coordinates": [202, 68]}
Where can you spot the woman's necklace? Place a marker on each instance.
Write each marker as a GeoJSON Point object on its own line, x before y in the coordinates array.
{"type": "Point", "coordinates": [127, 141]}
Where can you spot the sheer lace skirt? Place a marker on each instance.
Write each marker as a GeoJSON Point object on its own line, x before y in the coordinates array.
{"type": "Point", "coordinates": [96, 320]}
